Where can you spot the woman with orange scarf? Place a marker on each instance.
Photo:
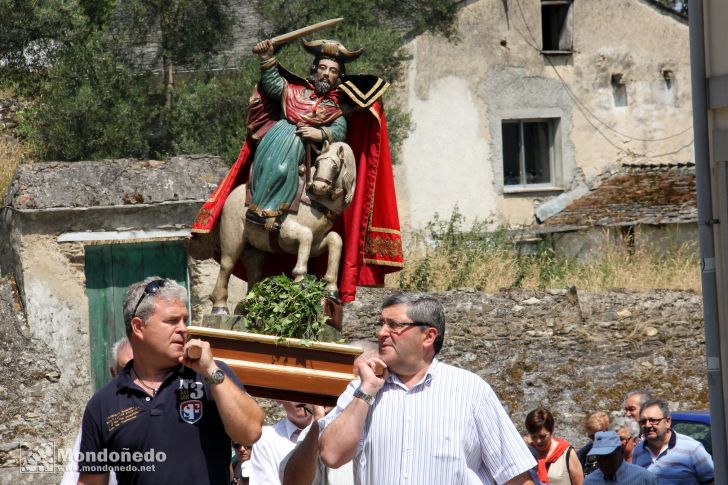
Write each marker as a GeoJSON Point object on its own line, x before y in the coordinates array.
{"type": "Point", "coordinates": [557, 460]}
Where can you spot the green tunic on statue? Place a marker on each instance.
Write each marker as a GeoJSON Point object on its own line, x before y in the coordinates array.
{"type": "Point", "coordinates": [274, 179]}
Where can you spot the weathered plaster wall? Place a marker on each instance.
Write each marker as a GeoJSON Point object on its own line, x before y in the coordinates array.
{"type": "Point", "coordinates": [668, 236]}
{"type": "Point", "coordinates": [458, 92]}
{"type": "Point", "coordinates": [585, 244]}
{"type": "Point", "coordinates": [437, 162]}
{"type": "Point", "coordinates": [56, 303]}
{"type": "Point", "coordinates": [57, 311]}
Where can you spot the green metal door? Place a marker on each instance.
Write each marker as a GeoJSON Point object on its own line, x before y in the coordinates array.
{"type": "Point", "coordinates": [110, 269]}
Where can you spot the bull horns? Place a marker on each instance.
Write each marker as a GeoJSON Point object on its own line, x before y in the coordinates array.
{"type": "Point", "coordinates": [330, 48]}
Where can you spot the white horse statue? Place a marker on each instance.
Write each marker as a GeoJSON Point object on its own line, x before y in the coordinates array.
{"type": "Point", "coordinates": [306, 233]}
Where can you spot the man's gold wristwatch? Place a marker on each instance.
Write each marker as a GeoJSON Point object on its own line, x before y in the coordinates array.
{"type": "Point", "coordinates": [363, 396]}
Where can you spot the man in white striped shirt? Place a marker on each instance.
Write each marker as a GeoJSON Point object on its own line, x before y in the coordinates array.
{"type": "Point", "coordinates": [423, 421]}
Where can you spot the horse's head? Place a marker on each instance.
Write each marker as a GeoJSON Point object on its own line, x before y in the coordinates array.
{"type": "Point", "coordinates": [334, 173]}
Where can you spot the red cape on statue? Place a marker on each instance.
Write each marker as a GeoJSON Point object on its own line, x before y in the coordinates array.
{"type": "Point", "coordinates": [370, 225]}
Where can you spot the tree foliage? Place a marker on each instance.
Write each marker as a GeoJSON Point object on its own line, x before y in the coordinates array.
{"type": "Point", "coordinates": [133, 78]}
{"type": "Point", "coordinates": [185, 32]}
{"type": "Point", "coordinates": [92, 105]}
{"type": "Point", "coordinates": [188, 32]}
{"type": "Point", "coordinates": [208, 115]}
{"type": "Point", "coordinates": [31, 37]}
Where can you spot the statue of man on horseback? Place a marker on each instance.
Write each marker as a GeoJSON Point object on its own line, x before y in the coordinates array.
{"type": "Point", "coordinates": [290, 121]}
{"type": "Point", "coordinates": [313, 115]}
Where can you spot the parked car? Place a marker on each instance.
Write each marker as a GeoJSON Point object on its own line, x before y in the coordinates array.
{"type": "Point", "coordinates": [695, 424]}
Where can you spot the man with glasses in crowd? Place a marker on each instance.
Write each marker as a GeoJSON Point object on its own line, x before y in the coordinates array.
{"type": "Point", "coordinates": [422, 421]}
{"type": "Point", "coordinates": [167, 417]}
{"type": "Point", "coordinates": [673, 457]}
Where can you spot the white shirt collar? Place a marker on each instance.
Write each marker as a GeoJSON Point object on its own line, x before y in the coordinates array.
{"type": "Point", "coordinates": [394, 379]}
{"type": "Point", "coordinates": [290, 429]}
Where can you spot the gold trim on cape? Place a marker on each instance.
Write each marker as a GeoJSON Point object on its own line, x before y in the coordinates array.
{"type": "Point", "coordinates": [375, 114]}
{"type": "Point", "coordinates": [362, 95]}
{"type": "Point", "coordinates": [364, 101]}
{"type": "Point", "coordinates": [380, 262]}
{"type": "Point", "coordinates": [384, 230]}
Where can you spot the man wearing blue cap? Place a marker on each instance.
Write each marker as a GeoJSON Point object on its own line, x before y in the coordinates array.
{"type": "Point", "coordinates": [613, 470]}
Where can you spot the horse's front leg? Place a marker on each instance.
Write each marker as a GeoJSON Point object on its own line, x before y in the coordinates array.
{"type": "Point", "coordinates": [232, 242]}
{"type": "Point", "coordinates": [219, 295]}
{"type": "Point", "coordinates": [304, 237]}
{"type": "Point", "coordinates": [332, 242]}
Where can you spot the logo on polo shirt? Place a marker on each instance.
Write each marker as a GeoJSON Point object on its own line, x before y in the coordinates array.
{"type": "Point", "coordinates": [190, 389]}
{"type": "Point", "coordinates": [190, 411]}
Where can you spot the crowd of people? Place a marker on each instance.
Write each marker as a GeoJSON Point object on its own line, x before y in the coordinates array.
{"type": "Point", "coordinates": [173, 414]}
{"type": "Point", "coordinates": [637, 447]}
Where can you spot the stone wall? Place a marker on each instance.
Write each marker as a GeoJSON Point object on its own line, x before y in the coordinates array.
{"type": "Point", "coordinates": [36, 403]}
{"type": "Point", "coordinates": [9, 114]}
{"type": "Point", "coordinates": [572, 352]}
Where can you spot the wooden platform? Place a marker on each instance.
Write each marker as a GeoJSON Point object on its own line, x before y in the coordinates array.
{"type": "Point", "coordinates": [286, 369]}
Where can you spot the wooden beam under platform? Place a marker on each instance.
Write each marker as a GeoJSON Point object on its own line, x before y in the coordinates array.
{"type": "Point", "coordinates": [285, 369]}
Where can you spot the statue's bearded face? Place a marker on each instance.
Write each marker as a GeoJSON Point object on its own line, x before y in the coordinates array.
{"type": "Point", "coordinates": [326, 76]}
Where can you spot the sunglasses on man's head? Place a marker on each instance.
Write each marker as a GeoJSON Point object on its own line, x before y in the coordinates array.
{"type": "Point", "coordinates": [151, 288]}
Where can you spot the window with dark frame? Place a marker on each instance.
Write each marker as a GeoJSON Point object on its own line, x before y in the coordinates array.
{"type": "Point", "coordinates": [528, 152]}
{"type": "Point", "coordinates": [619, 90]}
{"type": "Point", "coordinates": [557, 26]}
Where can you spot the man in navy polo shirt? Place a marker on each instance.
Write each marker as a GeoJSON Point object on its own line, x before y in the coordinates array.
{"type": "Point", "coordinates": [674, 458]}
{"type": "Point", "coordinates": [166, 418]}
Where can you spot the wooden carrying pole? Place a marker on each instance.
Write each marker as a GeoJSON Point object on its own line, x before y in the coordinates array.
{"type": "Point", "coordinates": [286, 369]}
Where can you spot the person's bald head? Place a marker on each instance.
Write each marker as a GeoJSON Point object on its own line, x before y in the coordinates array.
{"type": "Point", "coordinates": [121, 354]}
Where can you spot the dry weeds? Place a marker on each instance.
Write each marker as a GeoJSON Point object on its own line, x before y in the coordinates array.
{"type": "Point", "coordinates": [12, 154]}
{"type": "Point", "coordinates": [490, 263]}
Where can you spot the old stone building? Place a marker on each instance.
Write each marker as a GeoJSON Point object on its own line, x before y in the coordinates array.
{"type": "Point", "coordinates": [73, 236]}
{"type": "Point", "coordinates": [535, 100]}
{"type": "Point", "coordinates": [650, 207]}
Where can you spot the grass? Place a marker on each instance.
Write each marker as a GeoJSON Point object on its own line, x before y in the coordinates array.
{"type": "Point", "coordinates": [446, 256]}
{"type": "Point", "coordinates": [12, 154]}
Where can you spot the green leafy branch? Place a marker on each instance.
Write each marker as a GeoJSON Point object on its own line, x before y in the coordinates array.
{"type": "Point", "coordinates": [278, 306]}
